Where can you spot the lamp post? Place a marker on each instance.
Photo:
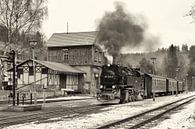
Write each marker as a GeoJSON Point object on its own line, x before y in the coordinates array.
{"type": "Point", "coordinates": [33, 43]}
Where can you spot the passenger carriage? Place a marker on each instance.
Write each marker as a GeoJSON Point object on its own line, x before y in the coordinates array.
{"type": "Point", "coordinates": [172, 86]}
{"type": "Point", "coordinates": [155, 84]}
{"type": "Point", "coordinates": [180, 86]}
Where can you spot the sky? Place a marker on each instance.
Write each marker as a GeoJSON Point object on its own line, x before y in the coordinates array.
{"type": "Point", "coordinates": [165, 18]}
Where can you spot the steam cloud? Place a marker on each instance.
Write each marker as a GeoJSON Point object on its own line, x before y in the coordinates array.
{"type": "Point", "coordinates": [119, 29]}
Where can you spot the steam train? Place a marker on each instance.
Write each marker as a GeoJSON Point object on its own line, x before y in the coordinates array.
{"type": "Point", "coordinates": [126, 84]}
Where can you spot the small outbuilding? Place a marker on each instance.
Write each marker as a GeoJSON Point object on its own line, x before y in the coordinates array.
{"type": "Point", "coordinates": [55, 78]}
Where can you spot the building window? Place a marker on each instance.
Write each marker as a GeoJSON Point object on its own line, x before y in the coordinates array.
{"type": "Point", "coordinates": [19, 72]}
{"type": "Point", "coordinates": [31, 71]}
{"type": "Point", "coordinates": [72, 82]}
{"type": "Point", "coordinates": [100, 57]}
{"type": "Point", "coordinates": [65, 54]}
{"type": "Point", "coordinates": [44, 70]}
{"type": "Point", "coordinates": [96, 55]}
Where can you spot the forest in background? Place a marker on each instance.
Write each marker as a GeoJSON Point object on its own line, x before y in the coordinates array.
{"type": "Point", "coordinates": [174, 62]}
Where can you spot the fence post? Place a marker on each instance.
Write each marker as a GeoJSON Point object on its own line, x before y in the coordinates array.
{"type": "Point", "coordinates": [23, 96]}
{"type": "Point", "coordinates": [17, 98]}
{"type": "Point", "coordinates": [30, 98]}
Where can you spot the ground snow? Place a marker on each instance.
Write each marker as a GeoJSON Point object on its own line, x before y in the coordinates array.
{"type": "Point", "coordinates": [185, 119]}
{"type": "Point", "coordinates": [114, 113]}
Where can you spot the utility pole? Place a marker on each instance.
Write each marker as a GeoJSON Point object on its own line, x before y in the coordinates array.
{"type": "Point", "coordinates": [176, 76]}
{"type": "Point", "coordinates": [33, 43]}
{"type": "Point", "coordinates": [153, 72]}
{"type": "Point", "coordinates": [154, 63]}
{"type": "Point", "coordinates": [67, 28]}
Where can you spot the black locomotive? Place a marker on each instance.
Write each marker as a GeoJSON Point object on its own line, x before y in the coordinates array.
{"type": "Point", "coordinates": [122, 83]}
{"type": "Point", "coordinates": [127, 84]}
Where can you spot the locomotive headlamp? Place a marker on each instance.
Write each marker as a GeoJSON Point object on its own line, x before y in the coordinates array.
{"type": "Point", "coordinates": [113, 87]}
{"type": "Point", "coordinates": [101, 86]}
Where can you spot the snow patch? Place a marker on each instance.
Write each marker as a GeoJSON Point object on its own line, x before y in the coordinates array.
{"type": "Point", "coordinates": [117, 112]}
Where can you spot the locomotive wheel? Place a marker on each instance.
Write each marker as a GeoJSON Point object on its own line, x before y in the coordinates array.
{"type": "Point", "coordinates": [131, 98]}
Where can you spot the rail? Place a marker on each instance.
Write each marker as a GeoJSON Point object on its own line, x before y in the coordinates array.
{"type": "Point", "coordinates": [42, 116]}
{"type": "Point", "coordinates": [136, 121]}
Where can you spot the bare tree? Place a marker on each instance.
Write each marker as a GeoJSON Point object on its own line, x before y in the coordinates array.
{"type": "Point", "coordinates": [191, 12]}
{"type": "Point", "coordinates": [21, 15]}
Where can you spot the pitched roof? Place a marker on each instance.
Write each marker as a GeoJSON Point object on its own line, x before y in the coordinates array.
{"type": "Point", "coordinates": [72, 39]}
{"type": "Point", "coordinates": [59, 67]}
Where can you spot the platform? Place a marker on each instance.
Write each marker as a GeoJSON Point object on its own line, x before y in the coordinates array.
{"type": "Point", "coordinates": [22, 108]}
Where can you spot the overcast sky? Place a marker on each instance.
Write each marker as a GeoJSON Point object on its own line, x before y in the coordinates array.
{"type": "Point", "coordinates": [165, 18]}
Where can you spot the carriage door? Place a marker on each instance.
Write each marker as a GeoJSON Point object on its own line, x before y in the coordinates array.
{"type": "Point", "coordinates": [62, 81]}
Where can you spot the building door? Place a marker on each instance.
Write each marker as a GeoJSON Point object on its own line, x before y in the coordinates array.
{"type": "Point", "coordinates": [62, 81]}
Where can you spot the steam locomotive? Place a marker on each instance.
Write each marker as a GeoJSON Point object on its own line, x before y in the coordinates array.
{"type": "Point", "coordinates": [126, 84]}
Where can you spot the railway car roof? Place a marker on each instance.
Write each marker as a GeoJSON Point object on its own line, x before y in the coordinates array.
{"type": "Point", "coordinates": [141, 73]}
{"type": "Point", "coordinates": [155, 76]}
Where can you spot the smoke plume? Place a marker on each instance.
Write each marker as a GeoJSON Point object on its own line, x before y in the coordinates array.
{"type": "Point", "coordinates": [118, 29]}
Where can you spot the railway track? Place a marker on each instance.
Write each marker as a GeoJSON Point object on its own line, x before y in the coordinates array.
{"type": "Point", "coordinates": [139, 120]}
{"type": "Point", "coordinates": [42, 116]}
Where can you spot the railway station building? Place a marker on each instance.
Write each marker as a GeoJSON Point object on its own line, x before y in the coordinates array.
{"type": "Point", "coordinates": [79, 50]}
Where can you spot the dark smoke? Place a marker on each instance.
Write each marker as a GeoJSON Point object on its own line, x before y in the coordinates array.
{"type": "Point", "coordinates": [118, 29]}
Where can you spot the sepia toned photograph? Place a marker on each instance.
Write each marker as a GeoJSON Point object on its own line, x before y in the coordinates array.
{"type": "Point", "coordinates": [97, 64]}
